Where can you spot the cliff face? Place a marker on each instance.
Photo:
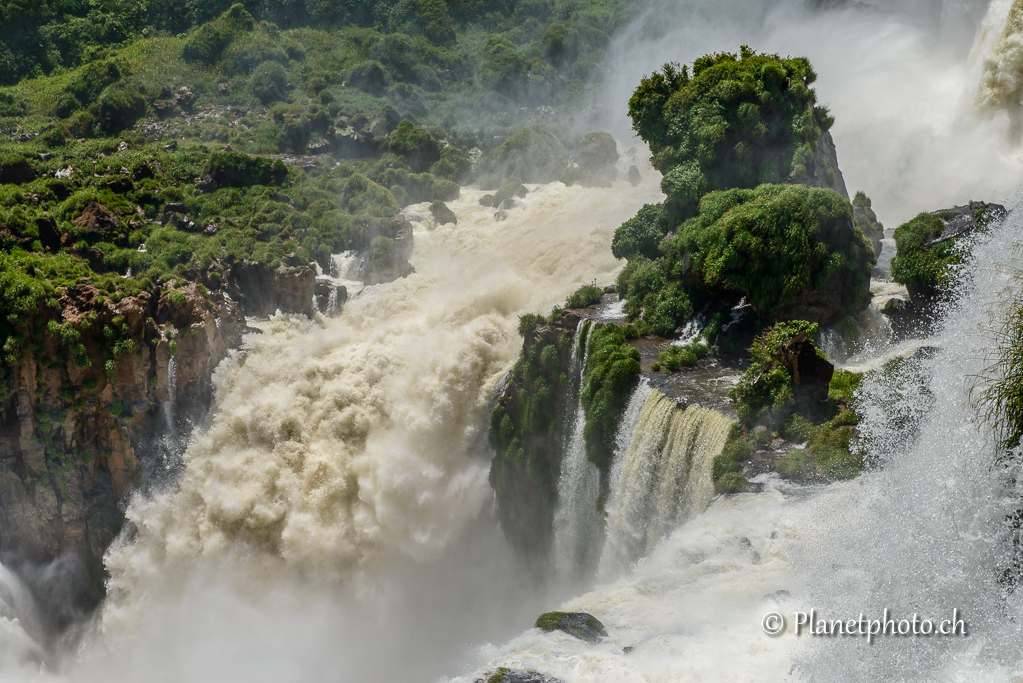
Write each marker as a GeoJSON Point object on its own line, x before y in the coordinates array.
{"type": "Point", "coordinates": [69, 425]}
{"type": "Point", "coordinates": [528, 429]}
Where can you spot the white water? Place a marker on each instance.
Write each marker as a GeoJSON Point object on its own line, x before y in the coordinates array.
{"type": "Point", "coordinates": [337, 508]}
{"type": "Point", "coordinates": [578, 527]}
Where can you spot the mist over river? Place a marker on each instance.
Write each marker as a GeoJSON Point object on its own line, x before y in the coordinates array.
{"type": "Point", "coordinates": [334, 520]}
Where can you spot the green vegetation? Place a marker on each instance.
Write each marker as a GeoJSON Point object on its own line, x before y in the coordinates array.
{"type": "Point", "coordinates": [587, 295]}
{"type": "Point", "coordinates": [737, 122]}
{"type": "Point", "coordinates": [725, 467]}
{"type": "Point", "coordinates": [611, 373]}
{"type": "Point", "coordinates": [548, 621]}
{"type": "Point", "coordinates": [1001, 392]}
{"type": "Point", "coordinates": [767, 387]}
{"type": "Point", "coordinates": [676, 357]}
{"type": "Point", "coordinates": [498, 675]}
{"type": "Point", "coordinates": [726, 137]}
{"type": "Point", "coordinates": [926, 261]}
{"type": "Point", "coordinates": [527, 433]}
{"type": "Point", "coordinates": [828, 454]}
{"type": "Point", "coordinates": [920, 261]}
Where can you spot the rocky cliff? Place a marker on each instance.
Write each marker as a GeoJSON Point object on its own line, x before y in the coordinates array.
{"type": "Point", "coordinates": [70, 425]}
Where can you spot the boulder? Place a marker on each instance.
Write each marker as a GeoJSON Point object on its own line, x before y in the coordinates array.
{"type": "Point", "coordinates": [582, 625]}
{"type": "Point", "coordinates": [97, 220]}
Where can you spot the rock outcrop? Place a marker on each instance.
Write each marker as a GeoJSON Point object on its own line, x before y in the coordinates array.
{"type": "Point", "coordinates": [866, 221]}
{"type": "Point", "coordinates": [528, 429]}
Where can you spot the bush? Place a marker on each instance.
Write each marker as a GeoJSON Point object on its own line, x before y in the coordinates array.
{"type": "Point", "coordinates": [641, 235]}
{"type": "Point", "coordinates": [269, 82]}
{"type": "Point", "coordinates": [234, 169]}
{"type": "Point", "coordinates": [371, 76]}
{"type": "Point", "coordinates": [772, 243]}
{"type": "Point", "coordinates": [732, 482]}
{"type": "Point", "coordinates": [767, 387]}
{"type": "Point", "coordinates": [587, 295]}
{"type": "Point", "coordinates": [676, 357]}
{"type": "Point", "coordinates": [418, 147]}
{"type": "Point", "coordinates": [209, 41]}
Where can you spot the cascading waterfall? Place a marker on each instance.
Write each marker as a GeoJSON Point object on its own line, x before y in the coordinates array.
{"type": "Point", "coordinates": [577, 522]}
{"type": "Point", "coordinates": [665, 477]}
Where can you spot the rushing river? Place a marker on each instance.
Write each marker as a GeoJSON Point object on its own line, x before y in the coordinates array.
{"type": "Point", "coordinates": [334, 522]}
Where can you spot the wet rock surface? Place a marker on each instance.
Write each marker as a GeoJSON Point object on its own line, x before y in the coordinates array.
{"type": "Point", "coordinates": [582, 625]}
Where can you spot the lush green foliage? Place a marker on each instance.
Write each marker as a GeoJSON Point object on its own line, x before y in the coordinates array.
{"type": "Point", "coordinates": [921, 261]}
{"type": "Point", "coordinates": [587, 295]}
{"type": "Point", "coordinates": [527, 433]}
{"type": "Point", "coordinates": [611, 373]}
{"type": "Point", "coordinates": [766, 387]}
{"type": "Point", "coordinates": [676, 357]}
{"type": "Point", "coordinates": [737, 122]}
{"type": "Point", "coordinates": [1001, 392]}
{"type": "Point", "coordinates": [770, 243]}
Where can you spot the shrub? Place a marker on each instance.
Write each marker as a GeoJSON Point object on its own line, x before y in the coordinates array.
{"type": "Point", "coordinates": [732, 482]}
{"type": "Point", "coordinates": [772, 243]}
{"type": "Point", "coordinates": [587, 295]}
{"type": "Point", "coordinates": [737, 121]}
{"type": "Point", "coordinates": [370, 76]}
{"type": "Point", "coordinates": [418, 147]}
{"type": "Point", "coordinates": [642, 234]}
{"type": "Point", "coordinates": [269, 82]}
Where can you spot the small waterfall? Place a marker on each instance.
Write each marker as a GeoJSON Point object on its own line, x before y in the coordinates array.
{"type": "Point", "coordinates": [664, 477]}
{"type": "Point", "coordinates": [577, 524]}
{"type": "Point", "coordinates": [833, 345]}
{"type": "Point", "coordinates": [170, 434]}
{"type": "Point", "coordinates": [332, 307]}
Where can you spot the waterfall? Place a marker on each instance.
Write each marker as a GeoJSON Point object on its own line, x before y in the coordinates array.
{"type": "Point", "coordinates": [577, 523]}
{"type": "Point", "coordinates": [664, 477]}
{"type": "Point", "coordinates": [833, 345]}
{"type": "Point", "coordinates": [332, 307]}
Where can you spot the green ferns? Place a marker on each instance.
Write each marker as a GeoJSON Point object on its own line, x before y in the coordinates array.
{"type": "Point", "coordinates": [767, 386]}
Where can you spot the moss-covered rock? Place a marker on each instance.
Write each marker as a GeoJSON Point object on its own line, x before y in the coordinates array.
{"type": "Point", "coordinates": [582, 625]}
{"type": "Point", "coordinates": [734, 121]}
{"type": "Point", "coordinates": [611, 374]}
{"type": "Point", "coordinates": [528, 429]}
{"type": "Point", "coordinates": [441, 213]}
{"type": "Point", "coordinates": [534, 154]}
{"type": "Point", "coordinates": [787, 374]}
{"type": "Point", "coordinates": [929, 248]}
{"type": "Point", "coordinates": [866, 221]}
